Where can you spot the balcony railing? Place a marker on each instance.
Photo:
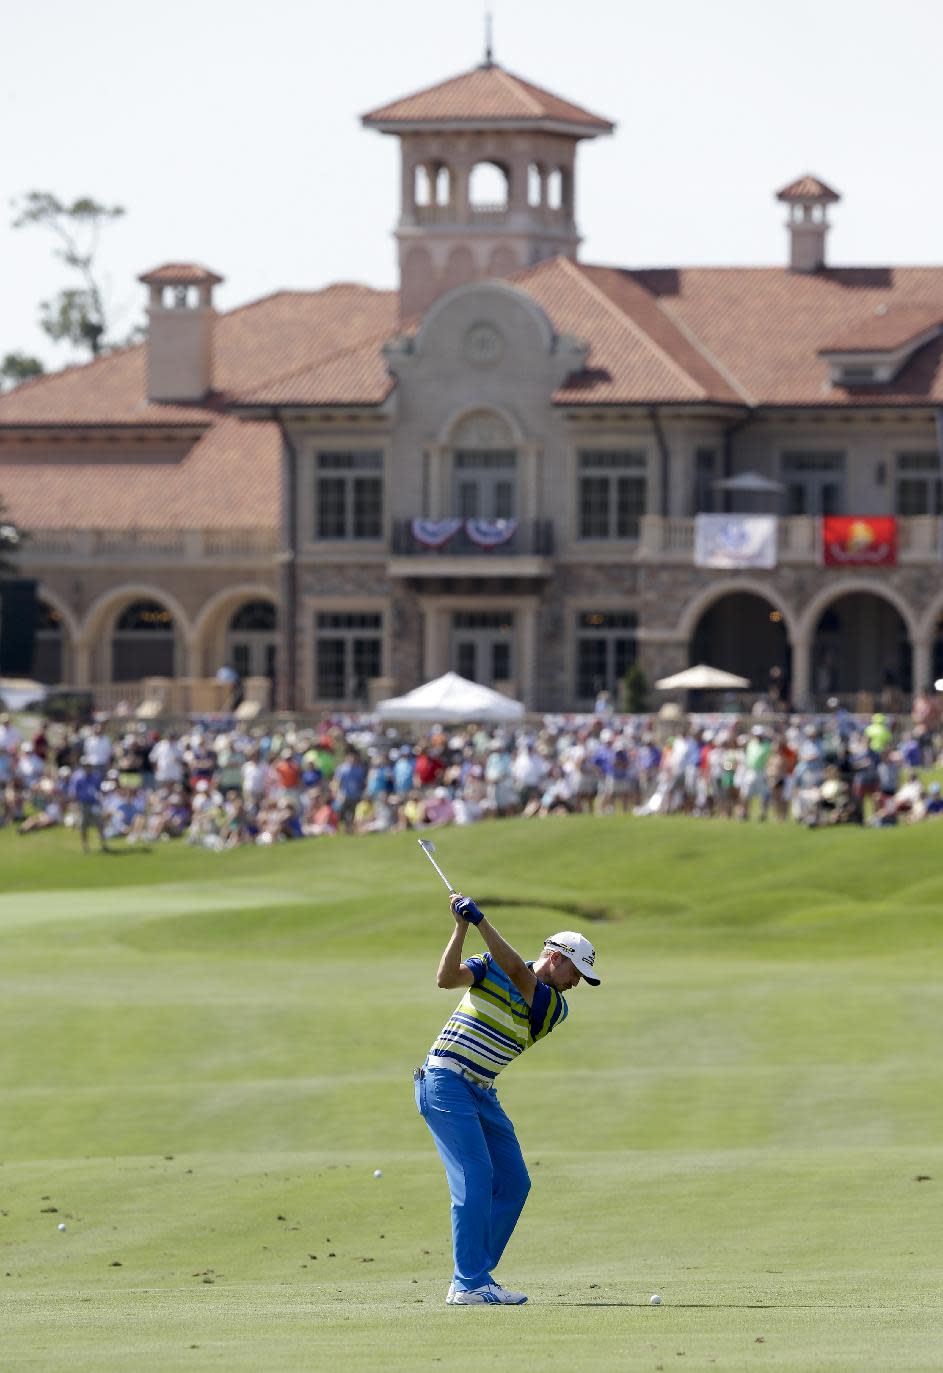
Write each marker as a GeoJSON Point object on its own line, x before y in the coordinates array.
{"type": "Point", "coordinates": [531, 538]}
{"type": "Point", "coordinates": [148, 545]}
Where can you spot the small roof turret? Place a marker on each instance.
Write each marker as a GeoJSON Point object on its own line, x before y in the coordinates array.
{"type": "Point", "coordinates": [808, 190]}
{"type": "Point", "coordinates": [486, 97]}
{"type": "Point", "coordinates": [180, 274]}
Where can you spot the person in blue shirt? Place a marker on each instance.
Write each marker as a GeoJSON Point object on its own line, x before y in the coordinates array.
{"type": "Point", "coordinates": [350, 779]}
{"type": "Point", "coordinates": [85, 790]}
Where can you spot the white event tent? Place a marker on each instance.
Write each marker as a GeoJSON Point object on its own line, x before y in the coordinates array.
{"type": "Point", "coordinates": [452, 700]}
{"type": "Point", "coordinates": [702, 678]}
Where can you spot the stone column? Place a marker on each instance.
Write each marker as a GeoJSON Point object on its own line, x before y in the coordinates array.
{"type": "Point", "coordinates": [435, 638]}
{"type": "Point", "coordinates": [82, 665]}
{"type": "Point", "coordinates": [922, 664]}
{"type": "Point", "coordinates": [801, 687]}
{"type": "Point", "coordinates": [527, 651]}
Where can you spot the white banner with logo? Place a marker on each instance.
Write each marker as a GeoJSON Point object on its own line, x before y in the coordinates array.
{"type": "Point", "coordinates": [735, 541]}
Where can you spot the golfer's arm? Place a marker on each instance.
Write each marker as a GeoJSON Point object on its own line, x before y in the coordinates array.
{"type": "Point", "coordinates": [452, 972]}
{"type": "Point", "coordinates": [508, 959]}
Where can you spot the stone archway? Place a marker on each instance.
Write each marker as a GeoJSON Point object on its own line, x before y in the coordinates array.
{"type": "Point", "coordinates": [97, 645]}
{"type": "Point", "coordinates": [743, 632]}
{"type": "Point", "coordinates": [861, 643]}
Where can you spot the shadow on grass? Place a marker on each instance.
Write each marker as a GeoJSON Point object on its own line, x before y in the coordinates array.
{"type": "Point", "coordinates": [692, 1305]}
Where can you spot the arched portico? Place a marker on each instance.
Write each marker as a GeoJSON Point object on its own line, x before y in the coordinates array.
{"type": "Point", "coordinates": [95, 654]}
{"type": "Point", "coordinates": [858, 635]}
{"type": "Point", "coordinates": [730, 586]}
{"type": "Point", "coordinates": [741, 629]}
{"type": "Point", "coordinates": [213, 631]}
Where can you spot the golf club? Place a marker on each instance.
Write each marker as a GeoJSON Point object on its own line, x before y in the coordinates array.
{"type": "Point", "coordinates": [428, 849]}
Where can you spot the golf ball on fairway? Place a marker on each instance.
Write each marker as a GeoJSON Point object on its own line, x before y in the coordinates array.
{"type": "Point", "coordinates": [378, 1172]}
{"type": "Point", "coordinates": [654, 1299]}
{"type": "Point", "coordinates": [61, 1225]}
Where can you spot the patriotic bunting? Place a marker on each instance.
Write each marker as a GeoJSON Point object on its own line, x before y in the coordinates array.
{"type": "Point", "coordinates": [490, 533]}
{"type": "Point", "coordinates": [435, 533]}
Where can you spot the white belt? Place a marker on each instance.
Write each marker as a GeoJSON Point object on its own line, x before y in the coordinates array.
{"type": "Point", "coordinates": [433, 1061]}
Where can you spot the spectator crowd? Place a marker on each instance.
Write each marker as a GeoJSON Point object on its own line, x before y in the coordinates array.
{"type": "Point", "coordinates": [219, 785]}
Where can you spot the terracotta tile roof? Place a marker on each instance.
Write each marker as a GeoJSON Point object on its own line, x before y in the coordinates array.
{"type": "Point", "coordinates": [808, 188]}
{"type": "Point", "coordinates": [637, 354]}
{"type": "Point", "coordinates": [890, 327]}
{"type": "Point", "coordinates": [269, 338]}
{"type": "Point", "coordinates": [180, 274]}
{"type": "Point", "coordinates": [727, 336]}
{"type": "Point", "coordinates": [231, 478]}
{"type": "Point", "coordinates": [767, 325]}
{"type": "Point", "coordinates": [484, 95]}
{"type": "Point", "coordinates": [357, 376]}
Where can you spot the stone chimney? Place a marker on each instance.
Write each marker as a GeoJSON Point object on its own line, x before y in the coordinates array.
{"type": "Point", "coordinates": [180, 331]}
{"type": "Point", "coordinates": [807, 199]}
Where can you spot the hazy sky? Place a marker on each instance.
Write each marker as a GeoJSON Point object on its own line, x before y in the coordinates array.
{"type": "Point", "coordinates": [230, 130]}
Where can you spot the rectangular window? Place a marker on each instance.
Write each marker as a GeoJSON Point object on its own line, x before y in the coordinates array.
{"type": "Point", "coordinates": [348, 651]}
{"type": "Point", "coordinates": [815, 483]}
{"type": "Point", "coordinates": [705, 470]}
{"type": "Point", "coordinates": [605, 649]}
{"type": "Point", "coordinates": [611, 494]}
{"type": "Point", "coordinates": [919, 489]}
{"type": "Point", "coordinates": [349, 496]}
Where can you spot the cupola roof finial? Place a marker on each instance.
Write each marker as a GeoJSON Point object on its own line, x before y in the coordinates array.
{"type": "Point", "coordinates": [489, 42]}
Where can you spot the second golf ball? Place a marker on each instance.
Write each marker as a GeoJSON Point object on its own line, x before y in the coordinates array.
{"type": "Point", "coordinates": [654, 1299]}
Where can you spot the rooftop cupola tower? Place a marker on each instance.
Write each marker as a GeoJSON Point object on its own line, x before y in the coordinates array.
{"type": "Point", "coordinates": [488, 168]}
{"type": "Point", "coordinates": [808, 200]}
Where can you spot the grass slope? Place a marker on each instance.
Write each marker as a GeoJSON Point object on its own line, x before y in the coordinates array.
{"type": "Point", "coordinates": [203, 1058]}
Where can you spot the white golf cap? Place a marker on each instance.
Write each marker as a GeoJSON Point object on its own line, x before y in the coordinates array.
{"type": "Point", "coordinates": [578, 950]}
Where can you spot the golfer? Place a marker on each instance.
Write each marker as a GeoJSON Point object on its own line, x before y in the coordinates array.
{"type": "Point", "coordinates": [507, 1007]}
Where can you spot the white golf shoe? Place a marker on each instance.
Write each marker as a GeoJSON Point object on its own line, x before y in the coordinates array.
{"type": "Point", "coordinates": [492, 1294]}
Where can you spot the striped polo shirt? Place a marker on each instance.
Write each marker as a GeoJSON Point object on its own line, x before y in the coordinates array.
{"type": "Point", "coordinates": [493, 1024]}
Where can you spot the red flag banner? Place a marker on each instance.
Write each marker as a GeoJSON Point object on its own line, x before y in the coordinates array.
{"type": "Point", "coordinates": [859, 540]}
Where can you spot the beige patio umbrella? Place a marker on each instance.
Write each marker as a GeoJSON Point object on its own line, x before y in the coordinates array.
{"type": "Point", "coordinates": [702, 678]}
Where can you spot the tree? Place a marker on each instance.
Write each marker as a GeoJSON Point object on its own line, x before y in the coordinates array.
{"type": "Point", "coordinates": [635, 690]}
{"type": "Point", "coordinates": [17, 367]}
{"type": "Point", "coordinates": [77, 314]}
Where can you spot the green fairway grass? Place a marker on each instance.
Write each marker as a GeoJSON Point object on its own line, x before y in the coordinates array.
{"type": "Point", "coordinates": [204, 1057]}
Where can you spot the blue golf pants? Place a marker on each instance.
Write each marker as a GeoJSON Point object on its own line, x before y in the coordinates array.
{"type": "Point", "coordinates": [484, 1166]}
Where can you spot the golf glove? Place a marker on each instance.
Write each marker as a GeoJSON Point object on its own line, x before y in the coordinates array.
{"type": "Point", "coordinates": [467, 910]}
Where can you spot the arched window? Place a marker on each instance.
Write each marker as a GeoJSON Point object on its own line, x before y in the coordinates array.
{"type": "Point", "coordinates": [535, 184]}
{"type": "Point", "coordinates": [484, 468]}
{"type": "Point", "coordinates": [254, 615]}
{"type": "Point", "coordinates": [423, 193]}
{"type": "Point", "coordinates": [555, 189]}
{"type": "Point", "coordinates": [252, 640]}
{"type": "Point", "coordinates": [143, 642]}
{"type": "Point", "coordinates": [488, 187]}
{"type": "Point", "coordinates": [443, 185]}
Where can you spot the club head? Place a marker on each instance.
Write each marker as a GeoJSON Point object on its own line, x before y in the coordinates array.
{"type": "Point", "coordinates": [427, 844]}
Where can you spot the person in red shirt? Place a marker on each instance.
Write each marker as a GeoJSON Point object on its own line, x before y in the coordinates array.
{"type": "Point", "coordinates": [429, 767]}
{"type": "Point", "coordinates": [288, 771]}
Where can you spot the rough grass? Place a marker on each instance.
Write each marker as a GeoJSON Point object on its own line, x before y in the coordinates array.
{"type": "Point", "coordinates": [204, 1057]}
